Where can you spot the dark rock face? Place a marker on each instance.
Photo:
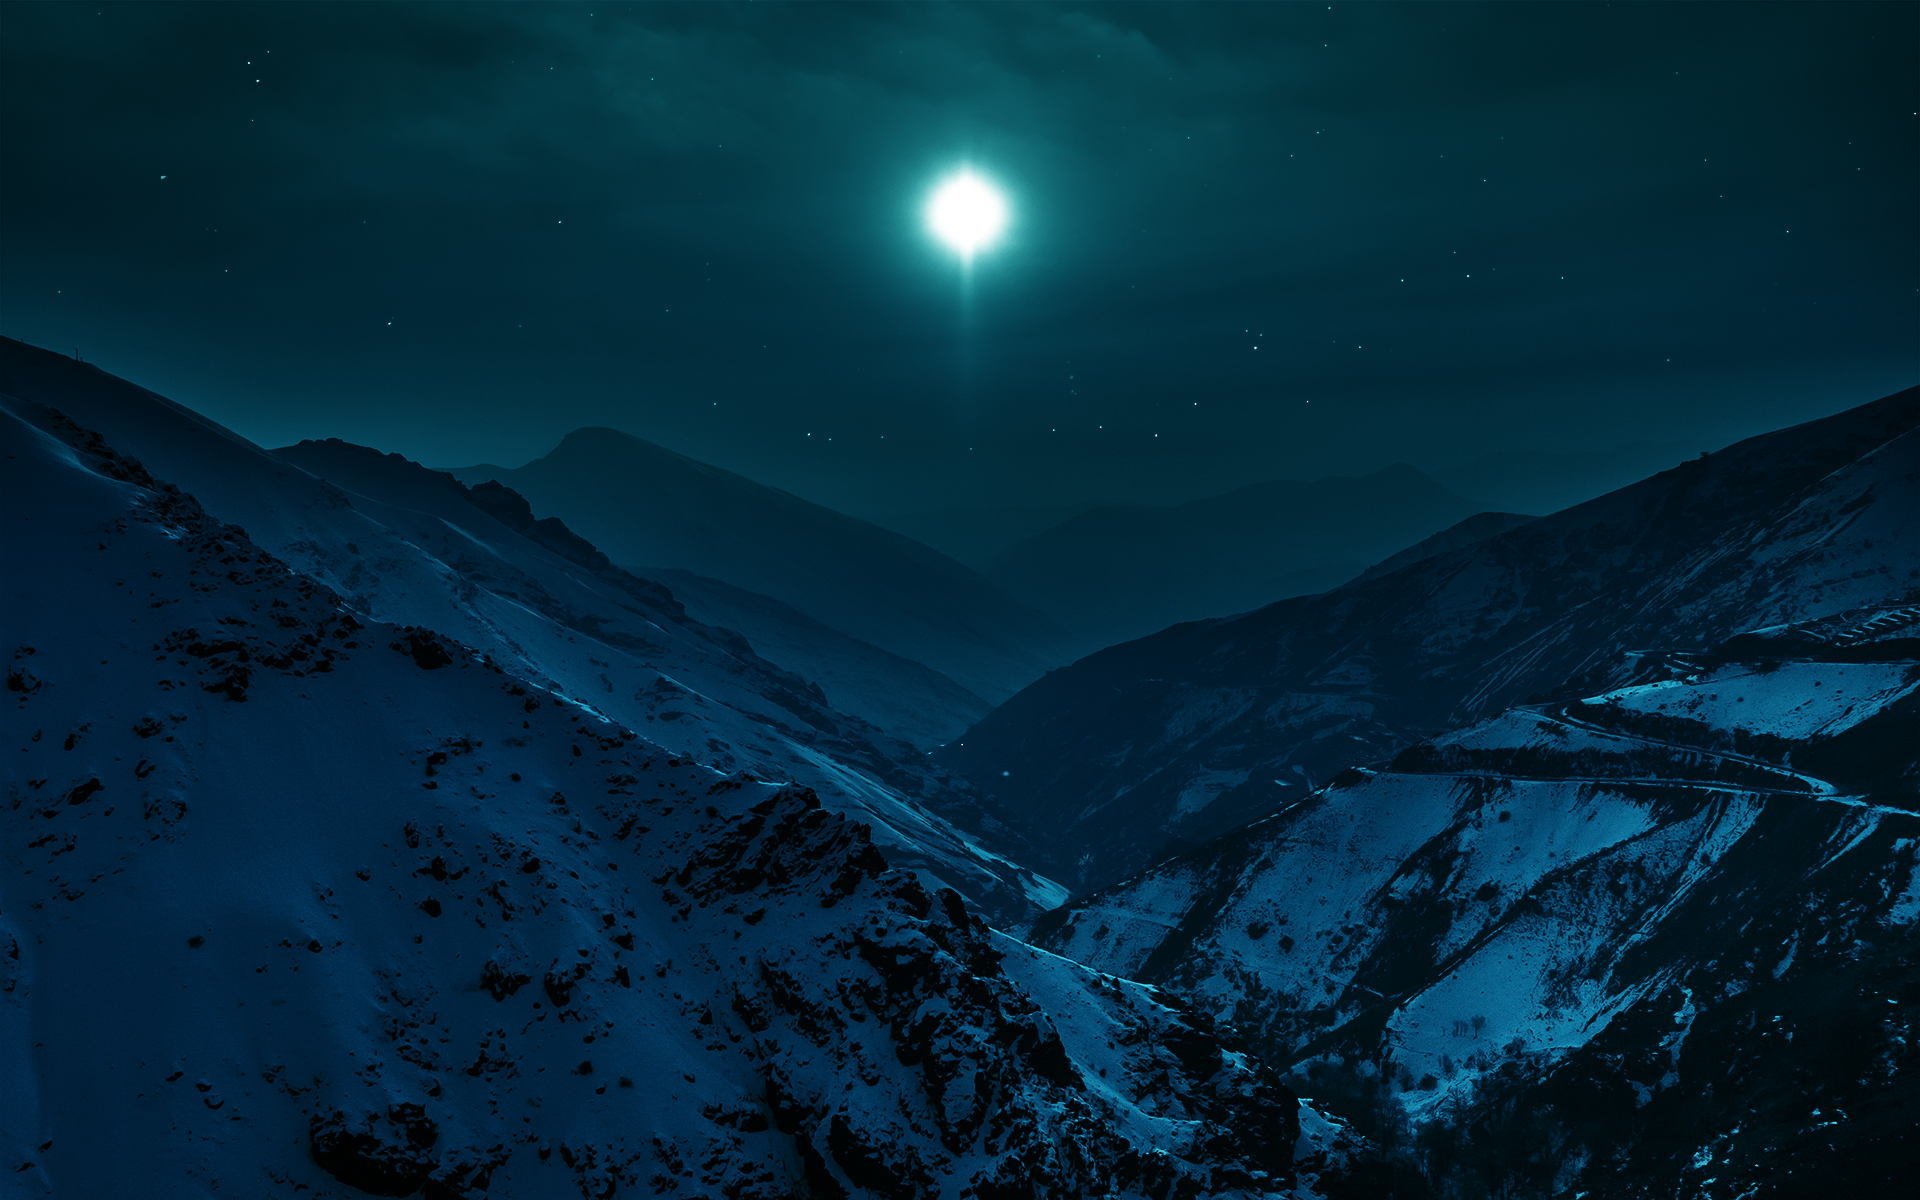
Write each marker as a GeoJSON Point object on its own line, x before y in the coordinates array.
{"type": "Point", "coordinates": [1782, 1086]}
{"type": "Point", "coordinates": [500, 982]}
{"type": "Point", "coordinates": [428, 650]}
{"type": "Point", "coordinates": [397, 1152]}
{"type": "Point", "coordinates": [83, 792]}
{"type": "Point", "coordinates": [992, 1071]}
{"type": "Point", "coordinates": [383, 1154]}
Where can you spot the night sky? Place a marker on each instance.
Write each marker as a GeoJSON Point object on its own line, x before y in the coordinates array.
{"type": "Point", "coordinates": [1504, 243]}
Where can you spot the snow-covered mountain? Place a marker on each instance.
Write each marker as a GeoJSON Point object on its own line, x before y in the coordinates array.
{"type": "Point", "coordinates": [1663, 940]}
{"type": "Point", "coordinates": [1120, 572]}
{"type": "Point", "coordinates": [403, 842]}
{"type": "Point", "coordinates": [894, 694]}
{"type": "Point", "coordinates": [296, 901]}
{"type": "Point", "coordinates": [649, 508]}
{"type": "Point", "coordinates": [410, 546]}
{"type": "Point", "coordinates": [1140, 750]}
{"type": "Point", "coordinates": [903, 697]}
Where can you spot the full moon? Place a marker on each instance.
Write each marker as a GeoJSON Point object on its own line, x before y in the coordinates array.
{"type": "Point", "coordinates": [967, 213]}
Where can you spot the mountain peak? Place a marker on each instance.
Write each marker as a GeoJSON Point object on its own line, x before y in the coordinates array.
{"type": "Point", "coordinates": [603, 440]}
{"type": "Point", "coordinates": [602, 435]}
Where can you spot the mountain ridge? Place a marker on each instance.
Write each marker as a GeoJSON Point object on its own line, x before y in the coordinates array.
{"type": "Point", "coordinates": [650, 507]}
{"type": "Point", "coordinates": [412, 548]}
{"type": "Point", "coordinates": [895, 694]}
{"type": "Point", "coordinates": [1117, 572]}
{"type": "Point", "coordinates": [504, 946]}
{"type": "Point", "coordinates": [1137, 746]}
{"type": "Point", "coordinates": [1577, 911]}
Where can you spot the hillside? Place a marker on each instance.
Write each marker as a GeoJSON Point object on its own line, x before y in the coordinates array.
{"type": "Point", "coordinates": [408, 546]}
{"type": "Point", "coordinates": [1616, 946]}
{"type": "Point", "coordinates": [899, 697]}
{"type": "Point", "coordinates": [1160, 744]}
{"type": "Point", "coordinates": [300, 902]}
{"type": "Point", "coordinates": [1476, 528]}
{"type": "Point", "coordinates": [650, 508]}
{"type": "Point", "coordinates": [908, 700]}
{"type": "Point", "coordinates": [1115, 573]}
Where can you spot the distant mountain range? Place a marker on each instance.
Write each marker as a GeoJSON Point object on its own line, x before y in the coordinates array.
{"type": "Point", "coordinates": [901, 697]}
{"type": "Point", "coordinates": [650, 508]}
{"type": "Point", "coordinates": [1115, 573]}
{"type": "Point", "coordinates": [975, 535]}
{"type": "Point", "coordinates": [1145, 748]}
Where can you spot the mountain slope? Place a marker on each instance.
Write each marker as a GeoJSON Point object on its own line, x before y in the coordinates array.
{"type": "Point", "coordinates": [977, 534]}
{"type": "Point", "coordinates": [1116, 573]}
{"type": "Point", "coordinates": [414, 547]}
{"type": "Point", "coordinates": [1132, 753]}
{"type": "Point", "coordinates": [908, 700]}
{"type": "Point", "coordinates": [894, 694]}
{"type": "Point", "coordinates": [299, 902]}
{"type": "Point", "coordinates": [1476, 528]}
{"type": "Point", "coordinates": [648, 507]}
{"type": "Point", "coordinates": [1664, 922]}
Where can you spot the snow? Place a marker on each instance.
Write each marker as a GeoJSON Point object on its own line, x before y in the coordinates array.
{"type": "Point", "coordinates": [406, 546]}
{"type": "Point", "coordinates": [277, 876]}
{"type": "Point", "coordinates": [1513, 891]}
{"type": "Point", "coordinates": [1904, 908]}
{"type": "Point", "coordinates": [1798, 701]}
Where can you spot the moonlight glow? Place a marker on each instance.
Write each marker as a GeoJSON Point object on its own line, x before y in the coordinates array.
{"type": "Point", "coordinates": [967, 213]}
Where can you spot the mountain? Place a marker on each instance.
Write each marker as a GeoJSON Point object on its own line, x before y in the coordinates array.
{"type": "Point", "coordinates": [299, 901]}
{"type": "Point", "coordinates": [1150, 747]}
{"type": "Point", "coordinates": [1664, 940]}
{"type": "Point", "coordinates": [408, 546]}
{"type": "Point", "coordinates": [977, 534]}
{"type": "Point", "coordinates": [900, 697]}
{"type": "Point", "coordinates": [1540, 479]}
{"type": "Point", "coordinates": [650, 508]}
{"type": "Point", "coordinates": [1115, 573]}
{"type": "Point", "coordinates": [908, 700]}
{"type": "Point", "coordinates": [1476, 528]}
